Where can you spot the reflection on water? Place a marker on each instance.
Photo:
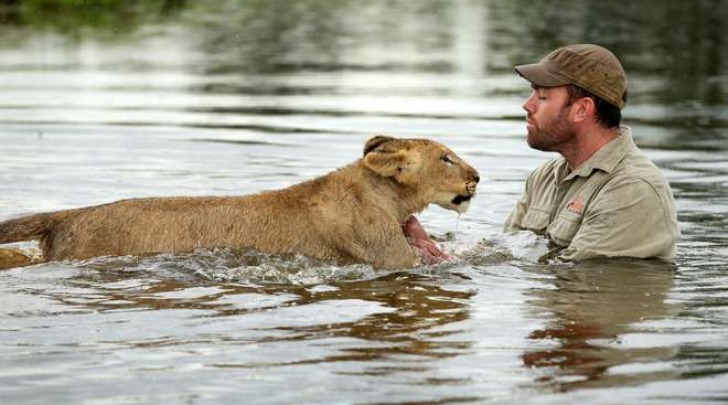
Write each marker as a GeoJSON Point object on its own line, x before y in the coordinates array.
{"type": "Point", "coordinates": [170, 97]}
{"type": "Point", "coordinates": [415, 301]}
{"type": "Point", "coordinates": [113, 315]}
{"type": "Point", "coordinates": [593, 308]}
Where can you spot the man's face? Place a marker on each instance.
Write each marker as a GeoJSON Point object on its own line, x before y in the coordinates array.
{"type": "Point", "coordinates": [547, 120]}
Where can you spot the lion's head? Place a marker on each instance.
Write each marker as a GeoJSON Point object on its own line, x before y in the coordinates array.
{"type": "Point", "coordinates": [437, 174]}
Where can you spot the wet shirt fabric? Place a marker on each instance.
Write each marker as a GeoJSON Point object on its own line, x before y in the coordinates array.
{"type": "Point", "coordinates": [617, 203]}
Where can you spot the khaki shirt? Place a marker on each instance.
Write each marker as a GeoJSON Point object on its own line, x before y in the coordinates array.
{"type": "Point", "coordinates": [617, 203]}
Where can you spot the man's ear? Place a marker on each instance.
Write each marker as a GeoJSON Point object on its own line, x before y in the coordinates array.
{"type": "Point", "coordinates": [388, 157]}
{"type": "Point", "coordinates": [583, 109]}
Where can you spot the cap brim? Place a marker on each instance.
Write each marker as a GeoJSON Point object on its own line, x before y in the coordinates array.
{"type": "Point", "coordinates": [537, 74]}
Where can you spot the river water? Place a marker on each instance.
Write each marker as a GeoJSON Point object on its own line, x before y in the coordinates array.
{"type": "Point", "coordinates": [159, 98]}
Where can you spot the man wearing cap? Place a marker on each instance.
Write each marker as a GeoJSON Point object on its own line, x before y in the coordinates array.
{"type": "Point", "coordinates": [603, 197]}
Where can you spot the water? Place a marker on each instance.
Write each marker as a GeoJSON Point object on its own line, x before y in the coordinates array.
{"type": "Point", "coordinates": [154, 98]}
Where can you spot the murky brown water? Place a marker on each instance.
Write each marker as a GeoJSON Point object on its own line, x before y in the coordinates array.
{"type": "Point", "coordinates": [233, 97]}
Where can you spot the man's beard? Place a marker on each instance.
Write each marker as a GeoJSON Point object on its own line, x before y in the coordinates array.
{"type": "Point", "coordinates": [549, 136]}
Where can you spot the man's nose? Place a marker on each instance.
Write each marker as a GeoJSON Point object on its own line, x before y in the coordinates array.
{"type": "Point", "coordinates": [528, 104]}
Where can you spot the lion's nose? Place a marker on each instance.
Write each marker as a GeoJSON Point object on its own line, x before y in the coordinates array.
{"type": "Point", "coordinates": [476, 178]}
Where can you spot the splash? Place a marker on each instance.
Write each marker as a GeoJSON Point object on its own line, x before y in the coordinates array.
{"type": "Point", "coordinates": [247, 266]}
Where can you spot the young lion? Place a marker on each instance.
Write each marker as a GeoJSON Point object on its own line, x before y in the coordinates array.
{"type": "Point", "coordinates": [351, 215]}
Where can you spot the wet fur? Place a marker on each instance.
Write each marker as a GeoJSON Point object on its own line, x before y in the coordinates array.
{"type": "Point", "coordinates": [351, 215]}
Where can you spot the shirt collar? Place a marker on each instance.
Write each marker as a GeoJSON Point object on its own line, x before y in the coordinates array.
{"type": "Point", "coordinates": [608, 157]}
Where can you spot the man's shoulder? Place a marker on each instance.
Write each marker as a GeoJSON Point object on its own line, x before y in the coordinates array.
{"type": "Point", "coordinates": [638, 167]}
{"type": "Point", "coordinates": [638, 179]}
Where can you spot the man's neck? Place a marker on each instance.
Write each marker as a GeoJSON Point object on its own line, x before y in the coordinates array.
{"type": "Point", "coordinates": [586, 144]}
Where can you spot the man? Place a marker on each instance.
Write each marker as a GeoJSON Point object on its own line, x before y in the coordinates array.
{"type": "Point", "coordinates": [603, 197]}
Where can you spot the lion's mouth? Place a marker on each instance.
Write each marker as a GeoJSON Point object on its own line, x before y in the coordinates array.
{"type": "Point", "coordinates": [459, 199]}
{"type": "Point", "coordinates": [458, 203]}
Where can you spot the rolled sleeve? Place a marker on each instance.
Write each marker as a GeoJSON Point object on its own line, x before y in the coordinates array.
{"type": "Point", "coordinates": [513, 222]}
{"type": "Point", "coordinates": [514, 219]}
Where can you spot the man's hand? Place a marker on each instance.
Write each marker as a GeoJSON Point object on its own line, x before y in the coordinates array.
{"type": "Point", "coordinates": [416, 235]}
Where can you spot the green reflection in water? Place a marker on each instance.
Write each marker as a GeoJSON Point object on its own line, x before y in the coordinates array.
{"type": "Point", "coordinates": [681, 42]}
{"type": "Point", "coordinates": [108, 18]}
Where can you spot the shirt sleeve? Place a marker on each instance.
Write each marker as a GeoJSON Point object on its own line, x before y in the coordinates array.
{"type": "Point", "coordinates": [514, 219]}
{"type": "Point", "coordinates": [626, 218]}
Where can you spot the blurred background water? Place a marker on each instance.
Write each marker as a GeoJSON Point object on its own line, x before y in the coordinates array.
{"type": "Point", "coordinates": [103, 100]}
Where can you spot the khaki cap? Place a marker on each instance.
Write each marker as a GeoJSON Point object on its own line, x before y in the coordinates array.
{"type": "Point", "coordinates": [588, 66]}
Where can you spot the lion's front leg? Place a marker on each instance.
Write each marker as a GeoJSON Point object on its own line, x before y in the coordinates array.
{"type": "Point", "coordinates": [384, 248]}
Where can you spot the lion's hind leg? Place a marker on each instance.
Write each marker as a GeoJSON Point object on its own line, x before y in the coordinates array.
{"type": "Point", "coordinates": [12, 257]}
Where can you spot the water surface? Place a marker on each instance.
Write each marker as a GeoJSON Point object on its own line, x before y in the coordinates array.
{"type": "Point", "coordinates": [164, 98]}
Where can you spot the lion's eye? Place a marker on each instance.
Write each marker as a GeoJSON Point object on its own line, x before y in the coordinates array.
{"type": "Point", "coordinates": [446, 159]}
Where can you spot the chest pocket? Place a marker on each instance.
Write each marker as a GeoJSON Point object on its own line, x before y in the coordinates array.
{"type": "Point", "coordinates": [564, 227]}
{"type": "Point", "coordinates": [536, 219]}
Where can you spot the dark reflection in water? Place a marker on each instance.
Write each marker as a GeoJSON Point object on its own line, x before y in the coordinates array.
{"type": "Point", "coordinates": [593, 306]}
{"type": "Point", "coordinates": [421, 307]}
{"type": "Point", "coordinates": [418, 305]}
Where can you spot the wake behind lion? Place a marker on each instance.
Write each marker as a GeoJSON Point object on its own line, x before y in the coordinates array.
{"type": "Point", "coordinates": [351, 215]}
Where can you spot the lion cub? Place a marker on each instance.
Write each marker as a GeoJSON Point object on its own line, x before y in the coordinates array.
{"type": "Point", "coordinates": [351, 215]}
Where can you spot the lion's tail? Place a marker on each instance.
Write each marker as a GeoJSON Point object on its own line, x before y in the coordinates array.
{"type": "Point", "coordinates": [27, 228]}
{"type": "Point", "coordinates": [38, 226]}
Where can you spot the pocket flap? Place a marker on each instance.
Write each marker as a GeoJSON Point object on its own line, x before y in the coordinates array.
{"type": "Point", "coordinates": [535, 220]}
{"type": "Point", "coordinates": [564, 227]}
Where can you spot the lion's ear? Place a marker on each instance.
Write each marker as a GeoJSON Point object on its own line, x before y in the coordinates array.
{"type": "Point", "coordinates": [376, 141]}
{"type": "Point", "coordinates": [388, 157]}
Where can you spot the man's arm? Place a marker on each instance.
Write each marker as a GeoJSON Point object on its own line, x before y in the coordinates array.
{"type": "Point", "coordinates": [534, 182]}
{"type": "Point", "coordinates": [515, 218]}
{"type": "Point", "coordinates": [628, 218]}
{"type": "Point", "coordinates": [427, 249]}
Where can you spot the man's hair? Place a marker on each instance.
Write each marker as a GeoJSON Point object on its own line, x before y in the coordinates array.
{"type": "Point", "coordinates": [607, 115]}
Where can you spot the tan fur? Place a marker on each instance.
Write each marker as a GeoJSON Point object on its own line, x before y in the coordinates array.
{"type": "Point", "coordinates": [11, 257]}
{"type": "Point", "coordinates": [351, 215]}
